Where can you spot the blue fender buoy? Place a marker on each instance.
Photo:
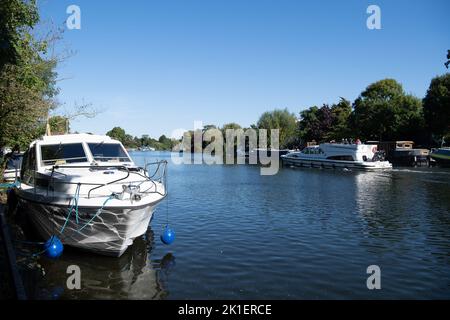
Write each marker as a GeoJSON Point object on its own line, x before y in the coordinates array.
{"type": "Point", "coordinates": [168, 235]}
{"type": "Point", "coordinates": [53, 247]}
{"type": "Point", "coordinates": [56, 292]}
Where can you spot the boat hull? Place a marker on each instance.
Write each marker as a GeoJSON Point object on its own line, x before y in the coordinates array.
{"type": "Point", "coordinates": [110, 233]}
{"type": "Point", "coordinates": [334, 164]}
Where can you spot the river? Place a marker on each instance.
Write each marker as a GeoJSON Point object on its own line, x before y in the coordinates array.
{"type": "Point", "coordinates": [300, 234]}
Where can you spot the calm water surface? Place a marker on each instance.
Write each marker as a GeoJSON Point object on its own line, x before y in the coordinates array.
{"type": "Point", "coordinates": [301, 234]}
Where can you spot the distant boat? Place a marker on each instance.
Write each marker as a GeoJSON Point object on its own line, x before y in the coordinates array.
{"type": "Point", "coordinates": [402, 153]}
{"type": "Point", "coordinates": [337, 155]}
{"type": "Point", "coordinates": [146, 149]}
{"type": "Point", "coordinates": [441, 156]}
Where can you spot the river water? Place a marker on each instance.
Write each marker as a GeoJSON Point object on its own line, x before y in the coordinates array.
{"type": "Point", "coordinates": [300, 234]}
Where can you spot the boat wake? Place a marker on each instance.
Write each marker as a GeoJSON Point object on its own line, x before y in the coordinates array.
{"type": "Point", "coordinates": [421, 171]}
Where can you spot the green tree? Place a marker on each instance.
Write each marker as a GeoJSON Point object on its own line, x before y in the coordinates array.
{"type": "Point", "coordinates": [384, 112]}
{"type": "Point", "coordinates": [21, 108]}
{"type": "Point", "coordinates": [340, 120]}
{"type": "Point", "coordinates": [325, 123]}
{"type": "Point", "coordinates": [27, 74]}
{"type": "Point", "coordinates": [282, 120]}
{"type": "Point", "coordinates": [309, 125]}
{"type": "Point", "coordinates": [231, 125]}
{"type": "Point", "coordinates": [58, 125]}
{"type": "Point", "coordinates": [129, 141]}
{"type": "Point", "coordinates": [165, 143]}
{"type": "Point", "coordinates": [436, 106]}
{"type": "Point", "coordinates": [117, 133]}
{"type": "Point", "coordinates": [16, 18]}
{"type": "Point", "coordinates": [208, 126]}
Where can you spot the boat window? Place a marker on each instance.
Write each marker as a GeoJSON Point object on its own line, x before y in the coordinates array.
{"type": "Point", "coordinates": [24, 164]}
{"type": "Point", "coordinates": [32, 159]}
{"type": "Point", "coordinates": [28, 165]}
{"type": "Point", "coordinates": [62, 153]}
{"type": "Point", "coordinates": [110, 152]}
{"type": "Point", "coordinates": [344, 158]}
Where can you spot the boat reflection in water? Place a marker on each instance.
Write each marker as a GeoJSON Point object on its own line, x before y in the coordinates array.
{"type": "Point", "coordinates": [132, 276]}
{"type": "Point", "coordinates": [375, 193]}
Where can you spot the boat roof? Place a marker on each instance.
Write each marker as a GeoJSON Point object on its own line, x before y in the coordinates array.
{"type": "Point", "coordinates": [73, 138]}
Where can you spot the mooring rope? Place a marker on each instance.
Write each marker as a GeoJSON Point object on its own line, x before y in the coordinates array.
{"type": "Point", "coordinates": [112, 196]}
{"type": "Point", "coordinates": [75, 199]}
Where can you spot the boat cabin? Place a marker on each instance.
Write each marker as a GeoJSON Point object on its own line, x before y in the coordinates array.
{"type": "Point", "coordinates": [74, 149]}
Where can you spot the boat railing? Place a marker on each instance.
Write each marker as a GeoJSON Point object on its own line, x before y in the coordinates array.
{"type": "Point", "coordinates": [158, 175]}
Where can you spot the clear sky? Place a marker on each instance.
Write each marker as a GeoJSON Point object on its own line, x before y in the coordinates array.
{"type": "Point", "coordinates": [155, 66]}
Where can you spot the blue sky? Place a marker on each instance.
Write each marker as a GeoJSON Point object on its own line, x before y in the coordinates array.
{"type": "Point", "coordinates": [155, 66]}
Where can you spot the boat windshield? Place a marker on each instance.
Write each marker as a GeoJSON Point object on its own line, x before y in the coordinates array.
{"type": "Point", "coordinates": [108, 152]}
{"type": "Point", "coordinates": [312, 150]}
{"type": "Point", "coordinates": [57, 154]}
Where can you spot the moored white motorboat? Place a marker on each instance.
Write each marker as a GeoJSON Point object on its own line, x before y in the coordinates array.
{"type": "Point", "coordinates": [86, 190]}
{"type": "Point", "coordinates": [338, 155]}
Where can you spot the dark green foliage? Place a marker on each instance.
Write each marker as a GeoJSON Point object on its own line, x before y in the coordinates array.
{"type": "Point", "coordinates": [282, 120]}
{"type": "Point", "coordinates": [27, 75]}
{"type": "Point", "coordinates": [384, 112]}
{"type": "Point", "coordinates": [436, 107]}
{"type": "Point", "coordinates": [163, 143]}
{"type": "Point", "coordinates": [325, 123]}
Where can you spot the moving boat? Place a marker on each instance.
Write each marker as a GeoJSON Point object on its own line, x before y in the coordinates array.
{"type": "Point", "coordinates": [441, 156]}
{"type": "Point", "coordinates": [338, 155]}
{"type": "Point", "coordinates": [86, 190]}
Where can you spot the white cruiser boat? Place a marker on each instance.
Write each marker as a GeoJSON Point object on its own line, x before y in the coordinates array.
{"type": "Point", "coordinates": [337, 155]}
{"type": "Point", "coordinates": [86, 190]}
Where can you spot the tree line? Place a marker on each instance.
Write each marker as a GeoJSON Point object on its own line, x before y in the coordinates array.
{"type": "Point", "coordinates": [382, 112]}
{"type": "Point", "coordinates": [130, 142]}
